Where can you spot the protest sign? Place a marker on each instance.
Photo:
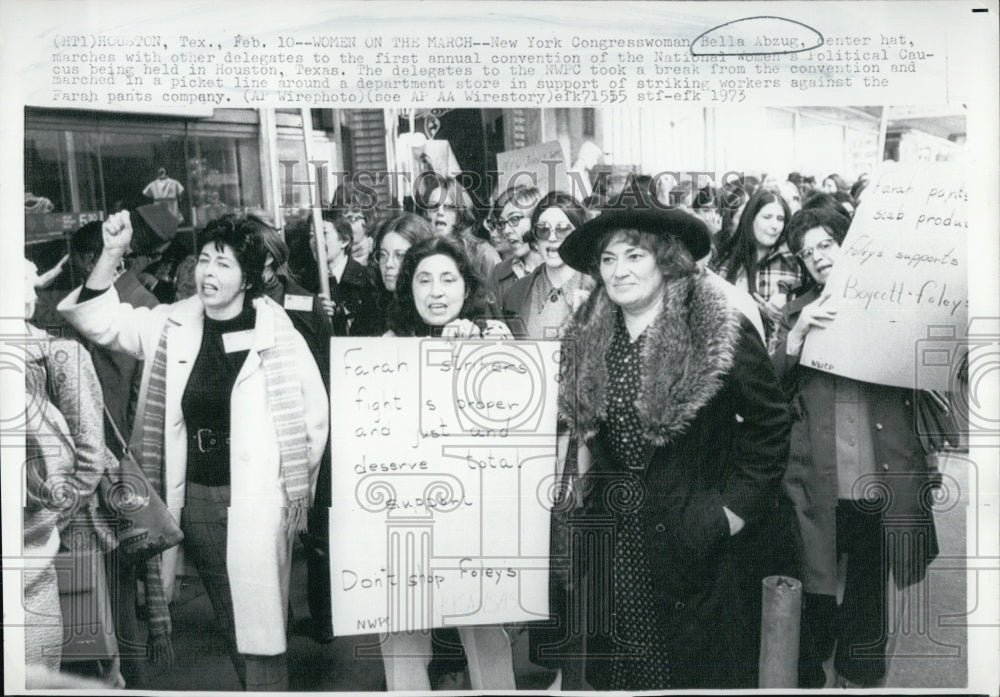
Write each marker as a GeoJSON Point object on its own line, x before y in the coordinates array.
{"type": "Point", "coordinates": [443, 472]}
{"type": "Point", "coordinates": [539, 165]}
{"type": "Point", "coordinates": [900, 287]}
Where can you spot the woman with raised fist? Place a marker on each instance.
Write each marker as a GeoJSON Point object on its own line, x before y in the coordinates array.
{"type": "Point", "coordinates": [231, 425]}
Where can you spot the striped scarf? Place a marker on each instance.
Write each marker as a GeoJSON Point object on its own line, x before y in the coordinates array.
{"type": "Point", "coordinates": [285, 402]}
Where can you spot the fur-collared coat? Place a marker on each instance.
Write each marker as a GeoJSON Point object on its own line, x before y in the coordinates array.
{"type": "Point", "coordinates": [716, 425]}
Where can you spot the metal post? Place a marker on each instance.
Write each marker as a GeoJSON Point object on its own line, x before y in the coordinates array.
{"type": "Point", "coordinates": [779, 635]}
{"type": "Point", "coordinates": [314, 210]}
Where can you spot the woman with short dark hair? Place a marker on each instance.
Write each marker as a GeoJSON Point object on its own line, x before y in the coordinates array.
{"type": "Point", "coordinates": [452, 214]}
{"type": "Point", "coordinates": [859, 481]}
{"type": "Point", "coordinates": [511, 221]}
{"type": "Point", "coordinates": [232, 422]}
{"type": "Point", "coordinates": [439, 293]}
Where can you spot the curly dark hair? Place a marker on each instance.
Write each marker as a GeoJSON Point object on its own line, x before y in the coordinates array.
{"type": "Point", "coordinates": [404, 320]}
{"type": "Point", "coordinates": [811, 218]}
{"type": "Point", "coordinates": [242, 234]}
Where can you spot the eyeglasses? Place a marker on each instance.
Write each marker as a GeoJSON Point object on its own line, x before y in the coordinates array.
{"type": "Point", "coordinates": [544, 231]}
{"type": "Point", "coordinates": [354, 217]}
{"type": "Point", "coordinates": [384, 256]}
{"type": "Point", "coordinates": [512, 222]}
{"type": "Point", "coordinates": [807, 253]}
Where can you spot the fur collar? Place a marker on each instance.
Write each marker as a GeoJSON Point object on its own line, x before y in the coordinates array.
{"type": "Point", "coordinates": [687, 351]}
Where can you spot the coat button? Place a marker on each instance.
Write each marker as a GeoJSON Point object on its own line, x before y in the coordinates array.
{"type": "Point", "coordinates": [660, 527]}
{"type": "Point", "coordinates": [678, 605]}
{"type": "Point", "coordinates": [885, 466]}
{"type": "Point", "coordinates": [878, 427]}
{"type": "Point", "coordinates": [906, 402]}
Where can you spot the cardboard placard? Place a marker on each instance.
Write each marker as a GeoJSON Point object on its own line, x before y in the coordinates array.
{"type": "Point", "coordinates": [541, 165]}
{"type": "Point", "coordinates": [444, 461]}
{"type": "Point", "coordinates": [900, 286]}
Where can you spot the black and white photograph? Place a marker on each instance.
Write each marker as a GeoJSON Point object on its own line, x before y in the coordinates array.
{"type": "Point", "coordinates": [568, 360]}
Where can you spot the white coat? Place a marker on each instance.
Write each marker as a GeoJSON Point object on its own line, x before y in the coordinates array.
{"type": "Point", "coordinates": [258, 545]}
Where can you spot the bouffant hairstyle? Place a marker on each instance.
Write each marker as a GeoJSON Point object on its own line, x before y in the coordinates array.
{"type": "Point", "coordinates": [809, 219]}
{"type": "Point", "coordinates": [242, 234]}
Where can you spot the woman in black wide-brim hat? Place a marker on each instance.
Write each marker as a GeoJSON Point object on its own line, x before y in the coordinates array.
{"type": "Point", "coordinates": [683, 437]}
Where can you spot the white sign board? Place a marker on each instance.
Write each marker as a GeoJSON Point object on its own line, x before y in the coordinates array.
{"type": "Point", "coordinates": [443, 470]}
{"type": "Point", "coordinates": [900, 288]}
{"type": "Point", "coordinates": [539, 165]}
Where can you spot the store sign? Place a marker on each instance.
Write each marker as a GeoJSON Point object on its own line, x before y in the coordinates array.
{"type": "Point", "coordinates": [45, 227]}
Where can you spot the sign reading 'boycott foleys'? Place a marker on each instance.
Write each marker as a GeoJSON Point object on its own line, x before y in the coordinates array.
{"type": "Point", "coordinates": [443, 475]}
{"type": "Point", "coordinates": [900, 287]}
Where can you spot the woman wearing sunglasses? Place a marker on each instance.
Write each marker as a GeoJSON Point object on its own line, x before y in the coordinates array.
{"type": "Point", "coordinates": [541, 301]}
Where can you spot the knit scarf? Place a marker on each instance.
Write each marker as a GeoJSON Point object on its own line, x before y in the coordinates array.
{"type": "Point", "coordinates": [284, 401]}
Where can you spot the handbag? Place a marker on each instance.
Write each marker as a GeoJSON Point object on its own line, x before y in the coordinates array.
{"type": "Point", "coordinates": [144, 527]}
{"type": "Point", "coordinates": [88, 624]}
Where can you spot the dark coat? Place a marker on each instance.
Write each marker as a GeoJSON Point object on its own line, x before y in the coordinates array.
{"type": "Point", "coordinates": [357, 294]}
{"type": "Point", "coordinates": [502, 277]}
{"type": "Point", "coordinates": [314, 324]}
{"type": "Point", "coordinates": [716, 426]}
{"type": "Point", "coordinates": [315, 328]}
{"type": "Point", "coordinates": [902, 484]}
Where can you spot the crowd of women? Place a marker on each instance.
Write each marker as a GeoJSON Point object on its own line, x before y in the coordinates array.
{"type": "Point", "coordinates": [710, 455]}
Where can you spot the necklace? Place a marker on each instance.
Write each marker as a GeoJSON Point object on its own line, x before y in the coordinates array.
{"type": "Point", "coordinates": [549, 293]}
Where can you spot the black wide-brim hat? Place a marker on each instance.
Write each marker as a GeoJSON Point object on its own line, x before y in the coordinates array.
{"type": "Point", "coordinates": [580, 251]}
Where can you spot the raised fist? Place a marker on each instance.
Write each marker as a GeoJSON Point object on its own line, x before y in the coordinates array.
{"type": "Point", "coordinates": [117, 230]}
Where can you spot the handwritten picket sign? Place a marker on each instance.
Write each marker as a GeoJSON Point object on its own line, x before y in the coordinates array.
{"type": "Point", "coordinates": [443, 459]}
{"type": "Point", "coordinates": [541, 165]}
{"type": "Point", "coordinates": [900, 288]}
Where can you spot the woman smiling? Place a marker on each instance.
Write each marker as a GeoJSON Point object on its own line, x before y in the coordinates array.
{"type": "Point", "coordinates": [682, 434]}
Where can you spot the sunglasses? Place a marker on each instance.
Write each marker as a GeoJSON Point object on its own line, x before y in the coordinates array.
{"type": "Point", "coordinates": [544, 231]}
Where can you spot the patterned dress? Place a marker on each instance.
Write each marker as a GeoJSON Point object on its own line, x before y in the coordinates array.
{"type": "Point", "coordinates": [637, 645]}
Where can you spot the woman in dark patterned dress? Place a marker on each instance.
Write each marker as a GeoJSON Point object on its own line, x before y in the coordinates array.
{"type": "Point", "coordinates": [683, 437]}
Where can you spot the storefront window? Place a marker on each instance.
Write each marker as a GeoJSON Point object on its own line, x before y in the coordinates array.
{"type": "Point", "coordinates": [61, 182]}
{"type": "Point", "coordinates": [79, 169]}
{"type": "Point", "coordinates": [223, 176]}
{"type": "Point", "coordinates": [132, 160]}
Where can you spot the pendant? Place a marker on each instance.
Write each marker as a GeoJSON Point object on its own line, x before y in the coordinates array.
{"type": "Point", "coordinates": [554, 296]}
